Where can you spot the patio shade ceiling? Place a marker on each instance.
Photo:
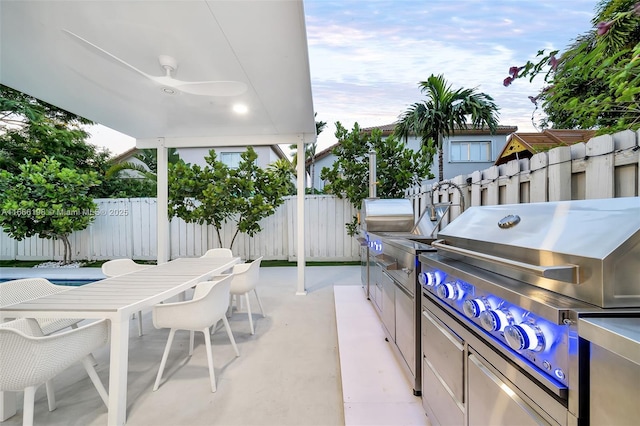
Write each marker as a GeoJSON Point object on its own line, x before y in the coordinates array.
{"type": "Point", "coordinates": [55, 51]}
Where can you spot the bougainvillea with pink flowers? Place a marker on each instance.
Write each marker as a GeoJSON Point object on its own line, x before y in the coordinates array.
{"type": "Point", "coordinates": [595, 83]}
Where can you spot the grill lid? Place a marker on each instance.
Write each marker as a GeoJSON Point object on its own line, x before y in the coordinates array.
{"type": "Point", "coordinates": [390, 215]}
{"type": "Point", "coordinates": [587, 249]}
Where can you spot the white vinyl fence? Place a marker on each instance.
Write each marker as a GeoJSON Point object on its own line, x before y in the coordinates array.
{"type": "Point", "coordinates": [605, 167]}
{"type": "Point", "coordinates": [126, 227]}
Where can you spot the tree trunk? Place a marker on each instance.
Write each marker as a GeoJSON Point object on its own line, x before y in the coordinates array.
{"type": "Point", "coordinates": [219, 237]}
{"type": "Point", "coordinates": [313, 172]}
{"type": "Point", "coordinates": [66, 257]}
{"type": "Point", "coordinates": [440, 165]}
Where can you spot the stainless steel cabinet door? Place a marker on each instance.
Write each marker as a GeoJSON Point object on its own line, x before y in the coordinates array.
{"type": "Point", "coordinates": [495, 401]}
{"type": "Point", "coordinates": [406, 327]}
{"type": "Point", "coordinates": [442, 372]}
{"type": "Point", "coordinates": [388, 304]}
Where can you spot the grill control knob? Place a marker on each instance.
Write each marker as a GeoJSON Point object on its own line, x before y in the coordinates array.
{"type": "Point", "coordinates": [496, 320]}
{"type": "Point", "coordinates": [431, 278]}
{"type": "Point", "coordinates": [449, 291]}
{"type": "Point", "coordinates": [524, 336]}
{"type": "Point", "coordinates": [474, 307]}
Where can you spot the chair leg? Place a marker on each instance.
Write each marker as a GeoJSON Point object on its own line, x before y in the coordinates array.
{"type": "Point", "coordinates": [93, 375]}
{"type": "Point", "coordinates": [139, 323]}
{"type": "Point", "coordinates": [51, 396]}
{"type": "Point", "coordinates": [259, 302]}
{"type": "Point", "coordinates": [246, 295]}
{"type": "Point", "coordinates": [207, 343]}
{"type": "Point", "coordinates": [27, 408]}
{"type": "Point", "coordinates": [172, 332]}
{"type": "Point", "coordinates": [191, 341]}
{"type": "Point", "coordinates": [230, 334]}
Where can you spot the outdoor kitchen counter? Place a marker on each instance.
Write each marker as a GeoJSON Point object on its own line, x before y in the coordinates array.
{"type": "Point", "coordinates": [618, 335]}
{"type": "Point", "coordinates": [614, 368]}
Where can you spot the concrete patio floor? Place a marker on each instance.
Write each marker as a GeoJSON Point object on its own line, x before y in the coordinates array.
{"type": "Point", "coordinates": [318, 359]}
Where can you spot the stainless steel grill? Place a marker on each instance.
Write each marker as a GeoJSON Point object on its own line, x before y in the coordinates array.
{"type": "Point", "coordinates": [501, 302]}
{"type": "Point", "coordinates": [391, 247]}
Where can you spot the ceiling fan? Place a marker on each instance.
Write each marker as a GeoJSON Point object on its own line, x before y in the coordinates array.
{"type": "Point", "coordinates": [169, 84]}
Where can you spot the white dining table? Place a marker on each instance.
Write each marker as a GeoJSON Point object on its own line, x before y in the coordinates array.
{"type": "Point", "coordinates": [117, 299]}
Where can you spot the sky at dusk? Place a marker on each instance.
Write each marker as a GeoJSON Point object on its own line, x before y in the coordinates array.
{"type": "Point", "coordinates": [368, 56]}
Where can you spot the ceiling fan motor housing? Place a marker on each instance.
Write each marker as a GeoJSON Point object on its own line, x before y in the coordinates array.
{"type": "Point", "coordinates": [168, 62]}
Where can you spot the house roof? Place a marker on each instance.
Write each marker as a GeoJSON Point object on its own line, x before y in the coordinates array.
{"type": "Point", "coordinates": [133, 151]}
{"type": "Point", "coordinates": [525, 145]}
{"type": "Point", "coordinates": [387, 129]}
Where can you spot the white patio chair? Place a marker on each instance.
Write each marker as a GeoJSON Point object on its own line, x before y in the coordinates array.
{"type": "Point", "coordinates": [208, 306]}
{"type": "Point", "coordinates": [16, 291]}
{"type": "Point", "coordinates": [29, 359]}
{"type": "Point", "coordinates": [218, 252]}
{"type": "Point", "coordinates": [113, 268]}
{"type": "Point", "coordinates": [245, 279]}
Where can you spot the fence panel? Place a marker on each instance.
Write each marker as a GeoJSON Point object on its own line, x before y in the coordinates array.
{"type": "Point", "coordinates": [127, 228]}
{"type": "Point", "coordinates": [604, 167]}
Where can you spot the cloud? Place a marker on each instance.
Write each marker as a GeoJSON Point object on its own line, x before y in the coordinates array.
{"type": "Point", "coordinates": [367, 57]}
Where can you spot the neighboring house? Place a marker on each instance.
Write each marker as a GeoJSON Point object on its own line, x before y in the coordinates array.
{"type": "Point", "coordinates": [322, 159]}
{"type": "Point", "coordinates": [525, 145]}
{"type": "Point", "coordinates": [229, 155]}
{"type": "Point", "coordinates": [464, 152]}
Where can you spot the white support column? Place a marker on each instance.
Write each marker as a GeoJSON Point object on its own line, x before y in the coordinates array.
{"type": "Point", "coordinates": [300, 170]}
{"type": "Point", "coordinates": [162, 203]}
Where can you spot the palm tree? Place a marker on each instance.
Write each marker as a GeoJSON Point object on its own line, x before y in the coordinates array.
{"type": "Point", "coordinates": [149, 157]}
{"type": "Point", "coordinates": [445, 111]}
{"type": "Point", "coordinates": [309, 151]}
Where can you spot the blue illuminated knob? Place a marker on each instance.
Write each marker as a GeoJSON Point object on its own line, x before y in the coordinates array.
{"type": "Point", "coordinates": [496, 320]}
{"type": "Point", "coordinates": [474, 307]}
{"type": "Point", "coordinates": [524, 336]}
{"type": "Point", "coordinates": [449, 291]}
{"type": "Point", "coordinates": [431, 278]}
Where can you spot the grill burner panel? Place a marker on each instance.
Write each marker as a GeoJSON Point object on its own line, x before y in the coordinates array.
{"type": "Point", "coordinates": [530, 326]}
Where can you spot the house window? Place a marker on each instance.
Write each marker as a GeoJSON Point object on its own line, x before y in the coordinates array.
{"type": "Point", "coordinates": [230, 159]}
{"type": "Point", "coordinates": [470, 151]}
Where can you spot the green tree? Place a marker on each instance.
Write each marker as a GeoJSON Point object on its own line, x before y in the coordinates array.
{"type": "Point", "coordinates": [443, 112]}
{"type": "Point", "coordinates": [31, 129]}
{"type": "Point", "coordinates": [216, 194]}
{"type": "Point", "coordinates": [143, 182]}
{"type": "Point", "coordinates": [397, 168]}
{"type": "Point", "coordinates": [310, 154]}
{"type": "Point", "coordinates": [57, 204]}
{"type": "Point", "coordinates": [595, 83]}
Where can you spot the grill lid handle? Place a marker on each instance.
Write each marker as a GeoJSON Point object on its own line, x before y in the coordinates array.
{"type": "Point", "coordinates": [565, 273]}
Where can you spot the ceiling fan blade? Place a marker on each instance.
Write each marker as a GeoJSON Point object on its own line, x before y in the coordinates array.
{"type": "Point", "coordinates": [99, 49]}
{"type": "Point", "coordinates": [200, 88]}
{"type": "Point", "coordinates": [212, 88]}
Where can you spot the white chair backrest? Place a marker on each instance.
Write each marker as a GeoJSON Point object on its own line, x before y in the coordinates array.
{"type": "Point", "coordinates": [217, 295]}
{"type": "Point", "coordinates": [245, 276]}
{"type": "Point", "coordinates": [218, 252]}
{"type": "Point", "coordinates": [26, 289]}
{"type": "Point", "coordinates": [29, 360]}
{"type": "Point", "coordinates": [209, 304]}
{"type": "Point", "coordinates": [117, 267]}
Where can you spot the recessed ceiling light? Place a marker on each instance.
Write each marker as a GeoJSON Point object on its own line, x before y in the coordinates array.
{"type": "Point", "coordinates": [240, 109]}
{"type": "Point", "coordinates": [168, 90]}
